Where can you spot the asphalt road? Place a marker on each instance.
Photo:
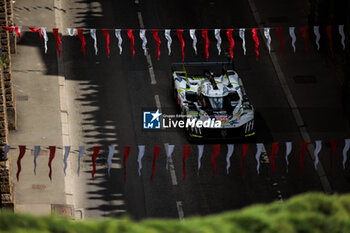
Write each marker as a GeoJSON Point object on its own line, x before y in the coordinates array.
{"type": "Point", "coordinates": [106, 98]}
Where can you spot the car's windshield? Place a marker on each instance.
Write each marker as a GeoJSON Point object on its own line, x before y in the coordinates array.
{"type": "Point", "coordinates": [220, 103]}
{"type": "Point", "coordinates": [216, 102]}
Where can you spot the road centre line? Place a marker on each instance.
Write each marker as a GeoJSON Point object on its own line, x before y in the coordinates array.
{"type": "Point", "coordinates": [171, 166]}
{"type": "Point", "coordinates": [148, 57]}
{"type": "Point", "coordinates": [156, 98]}
{"type": "Point", "coordinates": [297, 116]}
{"type": "Point", "coordinates": [180, 210]}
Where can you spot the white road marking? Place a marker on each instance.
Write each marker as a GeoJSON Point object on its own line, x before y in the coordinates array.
{"type": "Point", "coordinates": [171, 166]}
{"type": "Point", "coordinates": [139, 16]}
{"type": "Point", "coordinates": [299, 120]}
{"type": "Point", "coordinates": [156, 98]}
{"type": "Point", "coordinates": [180, 210]}
{"type": "Point", "coordinates": [148, 57]}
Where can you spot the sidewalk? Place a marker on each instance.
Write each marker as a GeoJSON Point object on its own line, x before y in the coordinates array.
{"type": "Point", "coordinates": [42, 117]}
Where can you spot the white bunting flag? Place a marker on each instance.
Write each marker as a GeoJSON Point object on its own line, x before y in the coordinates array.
{"type": "Point", "coordinates": [109, 159]}
{"type": "Point", "coordinates": [242, 36]}
{"type": "Point", "coordinates": [218, 39]}
{"type": "Point", "coordinates": [318, 36]}
{"type": "Point", "coordinates": [6, 151]}
{"type": "Point", "coordinates": [345, 151]}
{"type": "Point", "coordinates": [268, 38]}
{"type": "Point", "coordinates": [194, 38]}
{"type": "Point", "coordinates": [44, 34]}
{"type": "Point", "coordinates": [139, 157]}
{"type": "Point", "coordinates": [342, 34]}
{"type": "Point", "coordinates": [144, 40]}
{"type": "Point", "coordinates": [120, 40]}
{"type": "Point", "coordinates": [200, 154]}
{"type": "Point", "coordinates": [65, 157]}
{"type": "Point", "coordinates": [292, 35]}
{"type": "Point", "coordinates": [230, 148]}
{"type": "Point", "coordinates": [259, 147]}
{"type": "Point", "coordinates": [81, 153]}
{"type": "Point", "coordinates": [36, 154]}
{"type": "Point", "coordinates": [93, 35]}
{"type": "Point", "coordinates": [71, 31]}
{"type": "Point", "coordinates": [169, 152]}
{"type": "Point", "coordinates": [288, 150]}
{"type": "Point", "coordinates": [317, 151]}
{"type": "Point", "coordinates": [168, 37]}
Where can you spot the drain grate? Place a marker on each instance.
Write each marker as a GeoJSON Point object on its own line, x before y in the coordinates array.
{"type": "Point", "coordinates": [22, 98]}
{"type": "Point", "coordinates": [278, 19]}
{"type": "Point", "coordinates": [304, 79]}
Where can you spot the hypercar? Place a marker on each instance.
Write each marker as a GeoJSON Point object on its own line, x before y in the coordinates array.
{"type": "Point", "coordinates": [214, 104]}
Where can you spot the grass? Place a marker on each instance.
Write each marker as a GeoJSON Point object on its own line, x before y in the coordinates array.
{"type": "Point", "coordinates": [306, 213]}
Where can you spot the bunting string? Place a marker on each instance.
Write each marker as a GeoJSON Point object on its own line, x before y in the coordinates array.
{"type": "Point", "coordinates": [192, 33]}
{"type": "Point", "coordinates": [186, 152]}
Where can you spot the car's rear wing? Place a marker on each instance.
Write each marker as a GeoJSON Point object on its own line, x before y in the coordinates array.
{"type": "Point", "coordinates": [198, 68]}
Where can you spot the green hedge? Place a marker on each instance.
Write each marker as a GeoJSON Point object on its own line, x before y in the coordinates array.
{"type": "Point", "coordinates": [305, 213]}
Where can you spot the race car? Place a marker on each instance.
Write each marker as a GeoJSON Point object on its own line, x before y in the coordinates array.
{"type": "Point", "coordinates": [205, 96]}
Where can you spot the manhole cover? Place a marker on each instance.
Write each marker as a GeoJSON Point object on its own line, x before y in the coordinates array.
{"type": "Point", "coordinates": [62, 210]}
{"type": "Point", "coordinates": [304, 79]}
{"type": "Point", "coordinates": [22, 98]}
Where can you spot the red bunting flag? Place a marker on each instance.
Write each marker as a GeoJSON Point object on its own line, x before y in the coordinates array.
{"type": "Point", "coordinates": [132, 41]}
{"type": "Point", "coordinates": [256, 40]}
{"type": "Point", "coordinates": [52, 156]}
{"type": "Point", "coordinates": [333, 148]}
{"type": "Point", "coordinates": [245, 148]}
{"type": "Point", "coordinates": [181, 39]}
{"type": "Point", "coordinates": [32, 29]}
{"type": "Point", "coordinates": [301, 158]}
{"type": "Point", "coordinates": [82, 38]}
{"type": "Point", "coordinates": [155, 156]}
{"type": "Point", "coordinates": [106, 34]}
{"type": "Point", "coordinates": [96, 150]}
{"type": "Point", "coordinates": [18, 33]}
{"type": "Point", "coordinates": [216, 151]}
{"type": "Point", "coordinates": [232, 42]}
{"type": "Point", "coordinates": [8, 28]}
{"type": "Point", "coordinates": [22, 151]}
{"type": "Point", "coordinates": [125, 158]}
{"type": "Point", "coordinates": [272, 157]}
{"type": "Point", "coordinates": [304, 35]}
{"type": "Point", "coordinates": [58, 39]}
{"type": "Point", "coordinates": [280, 36]}
{"type": "Point", "coordinates": [184, 157]}
{"type": "Point", "coordinates": [329, 34]}
{"type": "Point", "coordinates": [156, 37]}
{"type": "Point", "coordinates": [207, 42]}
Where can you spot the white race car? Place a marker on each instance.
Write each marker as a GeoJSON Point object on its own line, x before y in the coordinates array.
{"type": "Point", "coordinates": [215, 98]}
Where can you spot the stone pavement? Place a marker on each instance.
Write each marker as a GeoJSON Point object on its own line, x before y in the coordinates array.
{"type": "Point", "coordinates": [42, 115]}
